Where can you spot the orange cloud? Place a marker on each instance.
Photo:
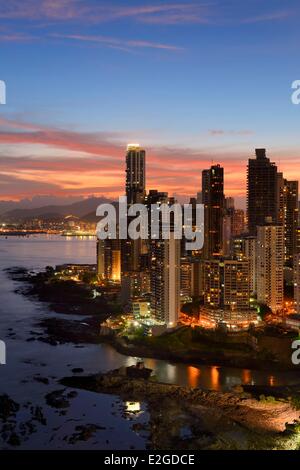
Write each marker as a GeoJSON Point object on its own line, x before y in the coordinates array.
{"type": "Point", "coordinates": [38, 159]}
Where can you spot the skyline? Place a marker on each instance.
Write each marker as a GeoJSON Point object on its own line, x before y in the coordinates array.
{"type": "Point", "coordinates": [211, 83]}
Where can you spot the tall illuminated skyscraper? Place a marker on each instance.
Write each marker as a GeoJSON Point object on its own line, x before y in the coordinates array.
{"type": "Point", "coordinates": [135, 192]}
{"type": "Point", "coordinates": [270, 263]}
{"type": "Point", "coordinates": [261, 191]}
{"type": "Point", "coordinates": [288, 213]}
{"type": "Point", "coordinates": [101, 259]}
{"type": "Point", "coordinates": [164, 267]}
{"type": "Point", "coordinates": [135, 174]}
{"type": "Point", "coordinates": [244, 249]}
{"type": "Point", "coordinates": [165, 280]}
{"type": "Point", "coordinates": [109, 260]}
{"type": "Point", "coordinates": [297, 282]}
{"type": "Point", "coordinates": [213, 200]}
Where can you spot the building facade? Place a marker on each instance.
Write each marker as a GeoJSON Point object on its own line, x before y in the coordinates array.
{"type": "Point", "coordinates": [165, 280]}
{"type": "Point", "coordinates": [213, 200]}
{"type": "Point", "coordinates": [261, 191]}
{"type": "Point", "coordinates": [270, 264]}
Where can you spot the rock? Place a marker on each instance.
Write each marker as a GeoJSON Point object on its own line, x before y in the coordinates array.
{"type": "Point", "coordinates": [84, 433]}
{"type": "Point", "coordinates": [38, 415]}
{"type": "Point", "coordinates": [14, 440]}
{"type": "Point", "coordinates": [57, 400]}
{"type": "Point", "coordinates": [42, 380]}
{"type": "Point", "coordinates": [77, 370]}
{"type": "Point", "coordinates": [238, 389]}
{"type": "Point", "coordinates": [8, 407]}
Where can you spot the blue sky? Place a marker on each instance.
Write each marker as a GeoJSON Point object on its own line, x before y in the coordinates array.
{"type": "Point", "coordinates": [204, 80]}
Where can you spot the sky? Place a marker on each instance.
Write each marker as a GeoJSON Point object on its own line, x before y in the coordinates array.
{"type": "Point", "coordinates": [193, 82]}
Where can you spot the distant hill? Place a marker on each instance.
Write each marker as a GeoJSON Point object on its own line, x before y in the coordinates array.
{"type": "Point", "coordinates": [38, 201]}
{"type": "Point", "coordinates": [78, 209]}
{"type": "Point", "coordinates": [91, 217]}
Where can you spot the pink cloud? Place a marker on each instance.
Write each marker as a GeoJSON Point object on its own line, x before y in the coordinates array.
{"type": "Point", "coordinates": [223, 132]}
{"type": "Point", "coordinates": [98, 164]}
{"type": "Point", "coordinates": [82, 11]}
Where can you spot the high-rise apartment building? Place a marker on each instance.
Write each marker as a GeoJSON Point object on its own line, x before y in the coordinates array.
{"type": "Point", "coordinates": [226, 294]}
{"type": "Point", "coordinates": [135, 192]}
{"type": "Point", "coordinates": [270, 263]}
{"type": "Point", "coordinates": [244, 249]}
{"type": "Point", "coordinates": [109, 260]}
{"type": "Point", "coordinates": [135, 174]}
{"type": "Point", "coordinates": [185, 279]}
{"type": "Point", "coordinates": [100, 259]}
{"type": "Point", "coordinates": [226, 284]}
{"type": "Point", "coordinates": [297, 282]}
{"type": "Point", "coordinates": [261, 191]}
{"type": "Point", "coordinates": [165, 280]}
{"type": "Point", "coordinates": [288, 214]}
{"type": "Point", "coordinates": [213, 200]}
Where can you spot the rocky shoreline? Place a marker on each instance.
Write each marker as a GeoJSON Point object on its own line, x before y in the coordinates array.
{"type": "Point", "coordinates": [265, 421]}
{"type": "Point", "coordinates": [59, 330]}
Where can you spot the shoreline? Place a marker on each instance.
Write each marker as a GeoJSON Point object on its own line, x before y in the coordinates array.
{"type": "Point", "coordinates": [267, 423]}
{"type": "Point", "coordinates": [87, 330]}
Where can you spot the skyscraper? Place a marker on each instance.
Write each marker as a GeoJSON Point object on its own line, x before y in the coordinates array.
{"type": "Point", "coordinates": [100, 259]}
{"type": "Point", "coordinates": [135, 192]}
{"type": "Point", "coordinates": [135, 174]}
{"type": "Point", "coordinates": [249, 249]}
{"type": "Point", "coordinates": [164, 265]}
{"type": "Point", "coordinates": [185, 279]}
{"type": "Point", "coordinates": [297, 282]}
{"type": "Point", "coordinates": [288, 215]}
{"type": "Point", "coordinates": [109, 260]}
{"type": "Point", "coordinates": [233, 225]}
{"type": "Point", "coordinates": [226, 294]}
{"type": "Point", "coordinates": [213, 200]}
{"type": "Point", "coordinates": [261, 191]}
{"type": "Point", "coordinates": [165, 280]}
{"type": "Point", "coordinates": [270, 263]}
{"type": "Point", "coordinates": [226, 284]}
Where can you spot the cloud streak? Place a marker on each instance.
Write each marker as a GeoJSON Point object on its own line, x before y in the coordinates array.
{"type": "Point", "coordinates": [223, 132]}
{"type": "Point", "coordinates": [85, 11]}
{"type": "Point", "coordinates": [116, 42]}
